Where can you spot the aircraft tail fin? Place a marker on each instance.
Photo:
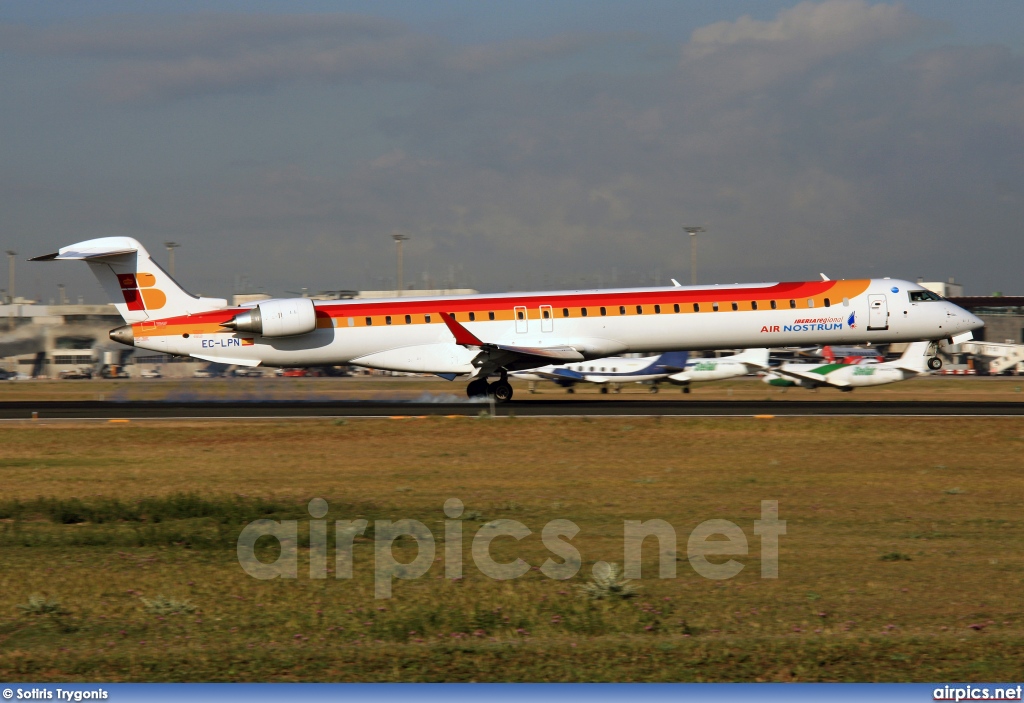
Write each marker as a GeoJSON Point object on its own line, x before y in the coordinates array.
{"type": "Point", "coordinates": [139, 288]}
{"type": "Point", "coordinates": [915, 357]}
{"type": "Point", "coordinates": [673, 360]}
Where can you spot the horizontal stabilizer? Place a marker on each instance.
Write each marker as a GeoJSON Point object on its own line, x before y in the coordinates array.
{"type": "Point", "coordinates": [93, 249]}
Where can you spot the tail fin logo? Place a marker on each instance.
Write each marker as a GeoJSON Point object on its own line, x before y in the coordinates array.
{"type": "Point", "coordinates": [851, 321]}
{"type": "Point", "coordinates": [139, 292]}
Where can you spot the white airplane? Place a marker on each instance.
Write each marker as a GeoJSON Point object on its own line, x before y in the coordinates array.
{"type": "Point", "coordinates": [675, 367]}
{"type": "Point", "coordinates": [914, 361]}
{"type": "Point", "coordinates": [611, 371]}
{"type": "Point", "coordinates": [721, 368]}
{"type": "Point", "coordinates": [480, 336]}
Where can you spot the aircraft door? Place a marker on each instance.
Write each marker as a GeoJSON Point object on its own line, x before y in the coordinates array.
{"type": "Point", "coordinates": [878, 312]}
{"type": "Point", "coordinates": [522, 323]}
{"type": "Point", "coordinates": [547, 319]}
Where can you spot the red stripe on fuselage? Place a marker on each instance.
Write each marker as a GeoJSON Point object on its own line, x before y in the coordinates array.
{"type": "Point", "coordinates": [556, 299]}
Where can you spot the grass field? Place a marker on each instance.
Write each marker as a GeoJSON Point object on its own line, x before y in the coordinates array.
{"type": "Point", "coordinates": [903, 558]}
{"type": "Point", "coordinates": [1003, 388]}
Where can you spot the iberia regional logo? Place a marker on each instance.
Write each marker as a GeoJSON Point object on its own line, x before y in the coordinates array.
{"type": "Point", "coordinates": [851, 321]}
{"type": "Point", "coordinates": [139, 291]}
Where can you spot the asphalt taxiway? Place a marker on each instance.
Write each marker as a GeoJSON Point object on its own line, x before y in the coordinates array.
{"type": "Point", "coordinates": [138, 410]}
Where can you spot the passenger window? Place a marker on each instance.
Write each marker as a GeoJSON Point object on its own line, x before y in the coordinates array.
{"type": "Point", "coordinates": [452, 314]}
{"type": "Point", "coordinates": [639, 309]}
{"type": "Point", "coordinates": [351, 322]}
{"type": "Point", "coordinates": [548, 314]}
{"type": "Point", "coordinates": [622, 309]}
{"type": "Point", "coordinates": [735, 306]}
{"type": "Point", "coordinates": [604, 312]}
{"type": "Point", "coordinates": [676, 307]}
{"type": "Point", "coordinates": [490, 315]}
{"type": "Point", "coordinates": [657, 309]}
{"type": "Point", "coordinates": [774, 306]}
{"type": "Point", "coordinates": [714, 306]}
{"type": "Point", "coordinates": [792, 303]}
{"type": "Point", "coordinates": [408, 319]}
{"type": "Point", "coordinates": [472, 317]}
{"type": "Point", "coordinates": [426, 318]}
{"type": "Point", "coordinates": [565, 312]}
{"type": "Point", "coordinates": [387, 319]}
{"type": "Point", "coordinates": [583, 311]}
{"type": "Point", "coordinates": [696, 307]}
{"type": "Point", "coordinates": [519, 315]}
{"type": "Point", "coordinates": [846, 302]}
{"type": "Point", "coordinates": [615, 369]}
{"type": "Point", "coordinates": [753, 305]}
{"type": "Point", "coordinates": [810, 302]}
{"type": "Point", "coordinates": [369, 321]}
{"type": "Point", "coordinates": [828, 303]}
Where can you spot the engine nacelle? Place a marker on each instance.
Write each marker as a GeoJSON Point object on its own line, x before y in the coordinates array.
{"type": "Point", "coordinates": [277, 318]}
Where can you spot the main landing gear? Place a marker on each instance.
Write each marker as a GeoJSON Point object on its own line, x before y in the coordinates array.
{"type": "Point", "coordinates": [500, 390]}
{"type": "Point", "coordinates": [935, 363]}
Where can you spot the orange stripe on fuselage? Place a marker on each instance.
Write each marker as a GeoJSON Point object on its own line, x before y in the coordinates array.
{"type": "Point", "coordinates": [337, 314]}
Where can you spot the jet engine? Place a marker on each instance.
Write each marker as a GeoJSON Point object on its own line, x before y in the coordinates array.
{"type": "Point", "coordinates": [277, 318]}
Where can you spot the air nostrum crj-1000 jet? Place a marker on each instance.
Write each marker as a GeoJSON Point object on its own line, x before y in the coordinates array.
{"type": "Point", "coordinates": [485, 336]}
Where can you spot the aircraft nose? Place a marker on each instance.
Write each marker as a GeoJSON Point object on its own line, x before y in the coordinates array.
{"type": "Point", "coordinates": [974, 322]}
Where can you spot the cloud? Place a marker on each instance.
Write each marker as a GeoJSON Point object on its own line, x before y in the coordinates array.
{"type": "Point", "coordinates": [208, 54]}
{"type": "Point", "coordinates": [749, 54]}
{"type": "Point", "coordinates": [821, 139]}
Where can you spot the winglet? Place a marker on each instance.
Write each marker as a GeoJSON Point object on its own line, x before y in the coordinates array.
{"type": "Point", "coordinates": [824, 277]}
{"type": "Point", "coordinates": [676, 284]}
{"type": "Point", "coordinates": [462, 335]}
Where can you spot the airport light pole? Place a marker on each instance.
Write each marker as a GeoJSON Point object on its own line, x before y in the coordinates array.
{"type": "Point", "coordinates": [10, 287]}
{"type": "Point", "coordinates": [10, 275]}
{"type": "Point", "coordinates": [171, 246]}
{"type": "Point", "coordinates": [693, 232]}
{"type": "Point", "coordinates": [399, 238]}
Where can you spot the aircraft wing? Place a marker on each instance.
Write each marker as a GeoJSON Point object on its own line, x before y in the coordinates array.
{"type": "Point", "coordinates": [557, 374]}
{"type": "Point", "coordinates": [792, 371]}
{"type": "Point", "coordinates": [466, 338]}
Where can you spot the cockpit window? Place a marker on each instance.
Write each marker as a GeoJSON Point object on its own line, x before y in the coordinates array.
{"type": "Point", "coordinates": [920, 296]}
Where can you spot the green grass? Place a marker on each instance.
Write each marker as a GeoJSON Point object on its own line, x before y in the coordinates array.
{"type": "Point", "coordinates": [118, 548]}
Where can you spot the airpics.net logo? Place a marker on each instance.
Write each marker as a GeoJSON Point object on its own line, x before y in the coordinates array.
{"type": "Point", "coordinates": [718, 539]}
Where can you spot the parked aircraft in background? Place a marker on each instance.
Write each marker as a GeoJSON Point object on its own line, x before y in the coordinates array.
{"type": "Point", "coordinates": [611, 371]}
{"type": "Point", "coordinates": [482, 336]}
{"type": "Point", "coordinates": [849, 355]}
{"type": "Point", "coordinates": [914, 361]}
{"type": "Point", "coordinates": [721, 368]}
{"type": "Point", "coordinates": [674, 367]}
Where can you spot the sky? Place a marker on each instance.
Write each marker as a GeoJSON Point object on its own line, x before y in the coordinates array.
{"type": "Point", "coordinates": [519, 145]}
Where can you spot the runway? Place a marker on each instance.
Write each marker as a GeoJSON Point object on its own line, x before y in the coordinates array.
{"type": "Point", "coordinates": [139, 410]}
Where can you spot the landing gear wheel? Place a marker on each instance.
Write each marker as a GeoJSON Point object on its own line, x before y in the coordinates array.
{"type": "Point", "coordinates": [502, 391]}
{"type": "Point", "coordinates": [477, 388]}
{"type": "Point", "coordinates": [654, 389]}
{"type": "Point", "coordinates": [604, 390]}
{"type": "Point", "coordinates": [686, 389]}
{"type": "Point", "coordinates": [570, 390]}
{"type": "Point", "coordinates": [935, 363]}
